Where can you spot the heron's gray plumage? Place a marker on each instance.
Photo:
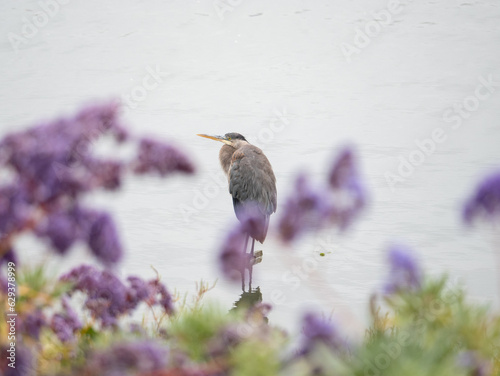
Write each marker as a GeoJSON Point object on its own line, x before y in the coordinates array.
{"type": "Point", "coordinates": [251, 178]}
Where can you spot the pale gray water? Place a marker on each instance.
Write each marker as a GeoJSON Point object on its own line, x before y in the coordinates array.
{"type": "Point", "coordinates": [277, 74]}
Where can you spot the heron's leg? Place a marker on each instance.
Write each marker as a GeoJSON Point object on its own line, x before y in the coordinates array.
{"type": "Point", "coordinates": [253, 244]}
{"type": "Point", "coordinates": [244, 266]}
{"type": "Point", "coordinates": [246, 243]}
{"type": "Point", "coordinates": [250, 266]}
{"type": "Point", "coordinates": [250, 269]}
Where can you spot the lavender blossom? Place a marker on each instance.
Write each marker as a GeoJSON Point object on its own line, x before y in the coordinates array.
{"type": "Point", "coordinates": [161, 296]}
{"type": "Point", "coordinates": [14, 209]}
{"type": "Point", "coordinates": [103, 240]}
{"type": "Point", "coordinates": [47, 158]}
{"type": "Point", "coordinates": [53, 164]}
{"type": "Point", "coordinates": [334, 204]}
{"type": "Point", "coordinates": [156, 157]}
{"type": "Point", "coordinates": [8, 256]}
{"type": "Point", "coordinates": [84, 278]}
{"type": "Point", "coordinates": [138, 291]}
{"type": "Point", "coordinates": [23, 359]}
{"type": "Point", "coordinates": [108, 298]}
{"type": "Point", "coordinates": [307, 209]}
{"type": "Point", "coordinates": [344, 181]}
{"type": "Point", "coordinates": [106, 294]}
{"type": "Point", "coordinates": [344, 170]}
{"type": "Point", "coordinates": [123, 358]}
{"type": "Point", "coordinates": [485, 202]}
{"type": "Point", "coordinates": [472, 361]}
{"type": "Point", "coordinates": [232, 259]}
{"type": "Point", "coordinates": [32, 323]}
{"type": "Point", "coordinates": [66, 323]}
{"type": "Point", "coordinates": [4, 285]}
{"type": "Point", "coordinates": [405, 273]}
{"type": "Point", "coordinates": [60, 228]}
{"type": "Point", "coordinates": [319, 330]}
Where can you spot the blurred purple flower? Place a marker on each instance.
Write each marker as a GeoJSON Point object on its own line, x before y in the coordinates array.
{"type": "Point", "coordinates": [154, 156]}
{"type": "Point", "coordinates": [84, 278]}
{"type": "Point", "coordinates": [24, 361]}
{"type": "Point", "coordinates": [138, 291]}
{"type": "Point", "coordinates": [53, 163]}
{"type": "Point", "coordinates": [485, 202]}
{"type": "Point", "coordinates": [3, 284]}
{"type": "Point", "coordinates": [124, 358]}
{"type": "Point", "coordinates": [8, 256]}
{"type": "Point", "coordinates": [108, 298]}
{"type": "Point", "coordinates": [60, 228]}
{"type": "Point", "coordinates": [66, 323]}
{"type": "Point", "coordinates": [336, 203]}
{"type": "Point", "coordinates": [306, 210]}
{"type": "Point", "coordinates": [48, 158]}
{"type": "Point", "coordinates": [317, 329]}
{"type": "Point", "coordinates": [103, 240]}
{"type": "Point", "coordinates": [32, 323]}
{"type": "Point", "coordinates": [161, 296]}
{"type": "Point", "coordinates": [233, 258]}
{"type": "Point", "coordinates": [14, 209]}
{"type": "Point", "coordinates": [345, 182]}
{"type": "Point", "coordinates": [472, 361]}
{"type": "Point", "coordinates": [106, 295]}
{"type": "Point", "coordinates": [343, 170]}
{"type": "Point", "coordinates": [106, 174]}
{"type": "Point", "coordinates": [405, 273]}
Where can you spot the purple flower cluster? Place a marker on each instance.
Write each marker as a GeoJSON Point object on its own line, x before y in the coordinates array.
{"type": "Point", "coordinates": [32, 323]}
{"type": "Point", "coordinates": [155, 157]}
{"type": "Point", "coordinates": [309, 208]}
{"type": "Point", "coordinates": [316, 330]}
{"type": "Point", "coordinates": [405, 273]}
{"type": "Point", "coordinates": [485, 202]}
{"type": "Point", "coordinates": [123, 358]}
{"type": "Point", "coordinates": [472, 361]}
{"type": "Point", "coordinates": [108, 298]}
{"type": "Point", "coordinates": [25, 361]}
{"type": "Point", "coordinates": [233, 258]}
{"type": "Point", "coordinates": [53, 163]}
{"type": "Point", "coordinates": [336, 203]}
{"type": "Point", "coordinates": [96, 229]}
{"type": "Point", "coordinates": [66, 323]}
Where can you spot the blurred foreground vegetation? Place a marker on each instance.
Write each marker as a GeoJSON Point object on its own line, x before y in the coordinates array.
{"type": "Point", "coordinates": [427, 331]}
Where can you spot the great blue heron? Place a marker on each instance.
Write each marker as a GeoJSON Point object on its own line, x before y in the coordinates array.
{"type": "Point", "coordinates": [251, 180]}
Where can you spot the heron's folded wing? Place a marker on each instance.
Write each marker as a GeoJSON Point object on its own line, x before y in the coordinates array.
{"type": "Point", "coordinates": [251, 179]}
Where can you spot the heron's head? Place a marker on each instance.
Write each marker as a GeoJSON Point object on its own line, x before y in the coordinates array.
{"type": "Point", "coordinates": [232, 139]}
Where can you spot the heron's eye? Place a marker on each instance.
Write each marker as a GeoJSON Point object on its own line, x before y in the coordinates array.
{"type": "Point", "coordinates": [229, 138]}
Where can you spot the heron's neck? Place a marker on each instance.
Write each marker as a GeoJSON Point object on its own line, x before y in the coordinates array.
{"type": "Point", "coordinates": [225, 154]}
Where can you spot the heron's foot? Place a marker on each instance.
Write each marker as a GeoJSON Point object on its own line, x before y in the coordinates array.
{"type": "Point", "coordinates": [254, 259]}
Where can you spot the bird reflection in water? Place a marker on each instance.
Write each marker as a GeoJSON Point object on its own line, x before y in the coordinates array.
{"type": "Point", "coordinates": [250, 302]}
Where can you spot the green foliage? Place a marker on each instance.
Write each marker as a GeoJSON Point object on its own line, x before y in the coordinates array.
{"type": "Point", "coordinates": [254, 357]}
{"type": "Point", "coordinates": [433, 330]}
{"type": "Point", "coordinates": [194, 329]}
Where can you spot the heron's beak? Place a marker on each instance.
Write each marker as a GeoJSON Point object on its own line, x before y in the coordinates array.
{"type": "Point", "coordinates": [216, 138]}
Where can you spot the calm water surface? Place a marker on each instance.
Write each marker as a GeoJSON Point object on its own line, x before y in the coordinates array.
{"type": "Point", "coordinates": [277, 74]}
